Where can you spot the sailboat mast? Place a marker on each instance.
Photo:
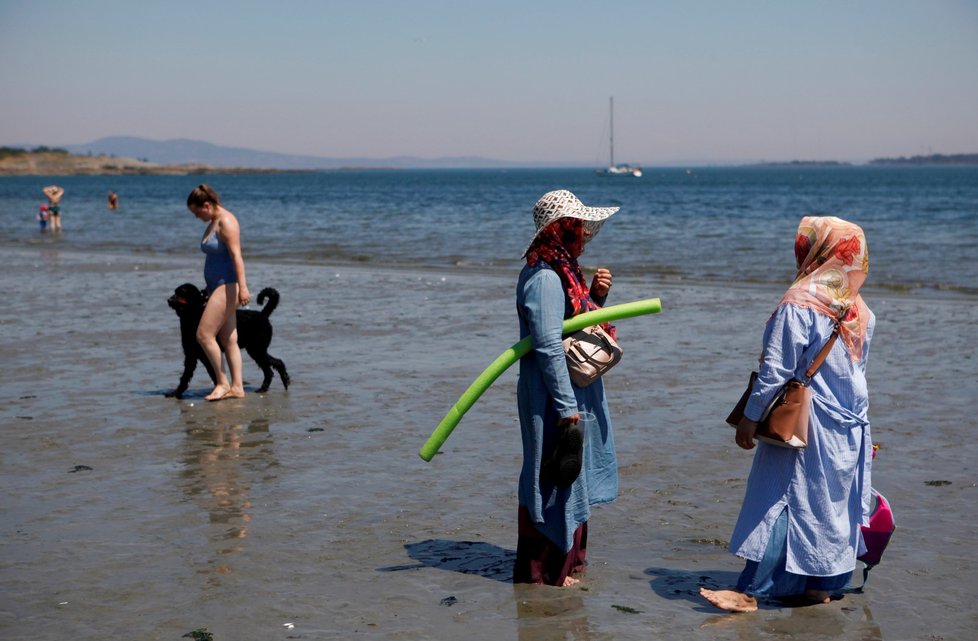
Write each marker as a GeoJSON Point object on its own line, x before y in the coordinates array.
{"type": "Point", "coordinates": [611, 108]}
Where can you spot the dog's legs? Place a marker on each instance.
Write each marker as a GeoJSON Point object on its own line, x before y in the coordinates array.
{"type": "Point", "coordinates": [280, 368]}
{"type": "Point", "coordinates": [262, 358]}
{"type": "Point", "coordinates": [189, 365]}
{"type": "Point", "coordinates": [207, 366]}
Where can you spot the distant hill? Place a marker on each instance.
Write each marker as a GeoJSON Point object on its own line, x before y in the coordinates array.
{"type": "Point", "coordinates": [933, 159]}
{"type": "Point", "coordinates": [181, 151]}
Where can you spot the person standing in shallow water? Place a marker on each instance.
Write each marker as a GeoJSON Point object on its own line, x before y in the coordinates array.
{"type": "Point", "coordinates": [54, 194]}
{"type": "Point", "coordinates": [799, 525]}
{"type": "Point", "coordinates": [224, 273]}
{"type": "Point", "coordinates": [554, 508]}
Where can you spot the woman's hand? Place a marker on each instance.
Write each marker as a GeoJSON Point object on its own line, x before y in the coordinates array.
{"type": "Point", "coordinates": [573, 419]}
{"type": "Point", "coordinates": [601, 283]}
{"type": "Point", "coordinates": [244, 296]}
{"type": "Point", "coordinates": [745, 433]}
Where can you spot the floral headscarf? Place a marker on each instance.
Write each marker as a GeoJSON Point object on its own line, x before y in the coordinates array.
{"type": "Point", "coordinates": [559, 244]}
{"type": "Point", "coordinates": [833, 261]}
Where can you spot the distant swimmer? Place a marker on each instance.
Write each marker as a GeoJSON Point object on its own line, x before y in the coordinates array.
{"type": "Point", "coordinates": [113, 200]}
{"type": "Point", "coordinates": [54, 194]}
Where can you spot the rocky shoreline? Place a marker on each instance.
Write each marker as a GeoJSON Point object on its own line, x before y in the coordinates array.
{"type": "Point", "coordinates": [60, 163]}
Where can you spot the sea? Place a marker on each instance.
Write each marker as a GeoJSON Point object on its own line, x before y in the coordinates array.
{"type": "Point", "coordinates": [726, 225]}
{"type": "Point", "coordinates": [306, 513]}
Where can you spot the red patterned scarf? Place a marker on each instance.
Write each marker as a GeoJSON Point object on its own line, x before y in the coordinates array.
{"type": "Point", "coordinates": [559, 244]}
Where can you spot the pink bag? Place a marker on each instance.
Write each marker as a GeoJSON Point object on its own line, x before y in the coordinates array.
{"type": "Point", "coordinates": [877, 534]}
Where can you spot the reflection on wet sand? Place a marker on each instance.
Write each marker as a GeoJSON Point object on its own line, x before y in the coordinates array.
{"type": "Point", "coordinates": [221, 463]}
{"type": "Point", "coordinates": [852, 622]}
{"type": "Point", "coordinates": [546, 613]}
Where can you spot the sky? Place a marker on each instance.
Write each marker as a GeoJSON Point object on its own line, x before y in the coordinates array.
{"type": "Point", "coordinates": [699, 81]}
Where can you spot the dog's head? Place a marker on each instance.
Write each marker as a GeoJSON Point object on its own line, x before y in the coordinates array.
{"type": "Point", "coordinates": [187, 298]}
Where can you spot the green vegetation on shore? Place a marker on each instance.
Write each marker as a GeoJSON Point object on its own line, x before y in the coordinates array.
{"type": "Point", "coordinates": [7, 152]}
{"type": "Point", "coordinates": [932, 159]}
{"type": "Point", "coordinates": [46, 161]}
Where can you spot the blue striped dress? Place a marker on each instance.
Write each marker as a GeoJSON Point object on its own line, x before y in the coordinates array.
{"type": "Point", "coordinates": [819, 495]}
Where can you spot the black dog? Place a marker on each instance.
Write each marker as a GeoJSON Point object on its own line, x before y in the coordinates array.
{"type": "Point", "coordinates": [254, 335]}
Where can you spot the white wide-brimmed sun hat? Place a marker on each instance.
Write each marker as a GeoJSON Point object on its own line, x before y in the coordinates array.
{"type": "Point", "coordinates": [561, 203]}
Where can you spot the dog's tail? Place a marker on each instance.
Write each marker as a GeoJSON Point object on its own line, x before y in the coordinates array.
{"type": "Point", "coordinates": [272, 295]}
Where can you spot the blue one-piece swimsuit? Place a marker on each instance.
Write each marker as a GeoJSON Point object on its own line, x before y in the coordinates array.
{"type": "Point", "coordinates": [218, 266]}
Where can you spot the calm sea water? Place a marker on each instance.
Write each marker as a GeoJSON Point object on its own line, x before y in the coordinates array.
{"type": "Point", "coordinates": [717, 224]}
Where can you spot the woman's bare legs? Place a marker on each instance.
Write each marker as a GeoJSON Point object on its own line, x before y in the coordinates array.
{"type": "Point", "coordinates": [228, 338]}
{"type": "Point", "coordinates": [218, 328]}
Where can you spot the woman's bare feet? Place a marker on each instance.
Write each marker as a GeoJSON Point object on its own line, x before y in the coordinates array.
{"type": "Point", "coordinates": [569, 581]}
{"type": "Point", "coordinates": [221, 392]}
{"type": "Point", "coordinates": [217, 393]}
{"type": "Point", "coordinates": [817, 596]}
{"type": "Point", "coordinates": [730, 600]}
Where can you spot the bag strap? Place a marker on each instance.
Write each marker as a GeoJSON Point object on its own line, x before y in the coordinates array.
{"type": "Point", "coordinates": [823, 354]}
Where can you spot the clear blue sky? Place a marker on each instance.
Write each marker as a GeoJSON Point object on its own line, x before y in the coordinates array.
{"type": "Point", "coordinates": [695, 81]}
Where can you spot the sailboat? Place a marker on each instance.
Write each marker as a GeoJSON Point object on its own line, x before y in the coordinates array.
{"type": "Point", "coordinates": [613, 169]}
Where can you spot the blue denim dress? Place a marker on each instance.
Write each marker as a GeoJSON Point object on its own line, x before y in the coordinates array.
{"type": "Point", "coordinates": [544, 395]}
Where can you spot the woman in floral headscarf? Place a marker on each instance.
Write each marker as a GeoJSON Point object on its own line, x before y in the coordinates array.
{"type": "Point", "coordinates": [567, 466]}
{"type": "Point", "coordinates": [798, 527]}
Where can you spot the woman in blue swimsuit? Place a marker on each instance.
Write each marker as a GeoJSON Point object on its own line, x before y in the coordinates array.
{"type": "Point", "coordinates": [224, 273]}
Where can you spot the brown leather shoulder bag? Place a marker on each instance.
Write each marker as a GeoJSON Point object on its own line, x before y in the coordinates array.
{"type": "Point", "coordinates": [785, 421]}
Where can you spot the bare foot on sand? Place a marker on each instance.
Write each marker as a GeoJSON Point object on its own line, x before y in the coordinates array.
{"type": "Point", "coordinates": [730, 600]}
{"type": "Point", "coordinates": [217, 393]}
{"type": "Point", "coordinates": [221, 393]}
{"type": "Point", "coordinates": [817, 596]}
{"type": "Point", "coordinates": [569, 581]}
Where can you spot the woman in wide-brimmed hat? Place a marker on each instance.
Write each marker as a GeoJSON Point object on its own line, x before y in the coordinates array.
{"type": "Point", "coordinates": [567, 466]}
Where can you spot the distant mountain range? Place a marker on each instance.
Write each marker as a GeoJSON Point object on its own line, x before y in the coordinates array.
{"type": "Point", "coordinates": [181, 151]}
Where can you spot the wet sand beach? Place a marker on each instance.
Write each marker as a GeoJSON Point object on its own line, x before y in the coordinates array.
{"type": "Point", "coordinates": [307, 514]}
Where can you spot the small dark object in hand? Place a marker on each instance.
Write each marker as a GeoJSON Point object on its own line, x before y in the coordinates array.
{"type": "Point", "coordinates": [564, 465]}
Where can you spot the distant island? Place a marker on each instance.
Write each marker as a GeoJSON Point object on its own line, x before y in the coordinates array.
{"type": "Point", "coordinates": [932, 159]}
{"type": "Point", "coordinates": [802, 163]}
{"type": "Point", "coordinates": [47, 161]}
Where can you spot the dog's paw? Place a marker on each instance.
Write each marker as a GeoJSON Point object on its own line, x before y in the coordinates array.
{"type": "Point", "coordinates": [173, 394]}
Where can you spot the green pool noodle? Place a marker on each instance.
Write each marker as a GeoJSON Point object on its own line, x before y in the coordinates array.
{"type": "Point", "coordinates": [515, 353]}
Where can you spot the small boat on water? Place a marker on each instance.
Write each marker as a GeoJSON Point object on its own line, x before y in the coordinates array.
{"type": "Point", "coordinates": [612, 169]}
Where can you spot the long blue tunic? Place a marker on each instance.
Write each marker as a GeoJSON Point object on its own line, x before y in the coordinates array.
{"type": "Point", "coordinates": [544, 395]}
{"type": "Point", "coordinates": [825, 488]}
